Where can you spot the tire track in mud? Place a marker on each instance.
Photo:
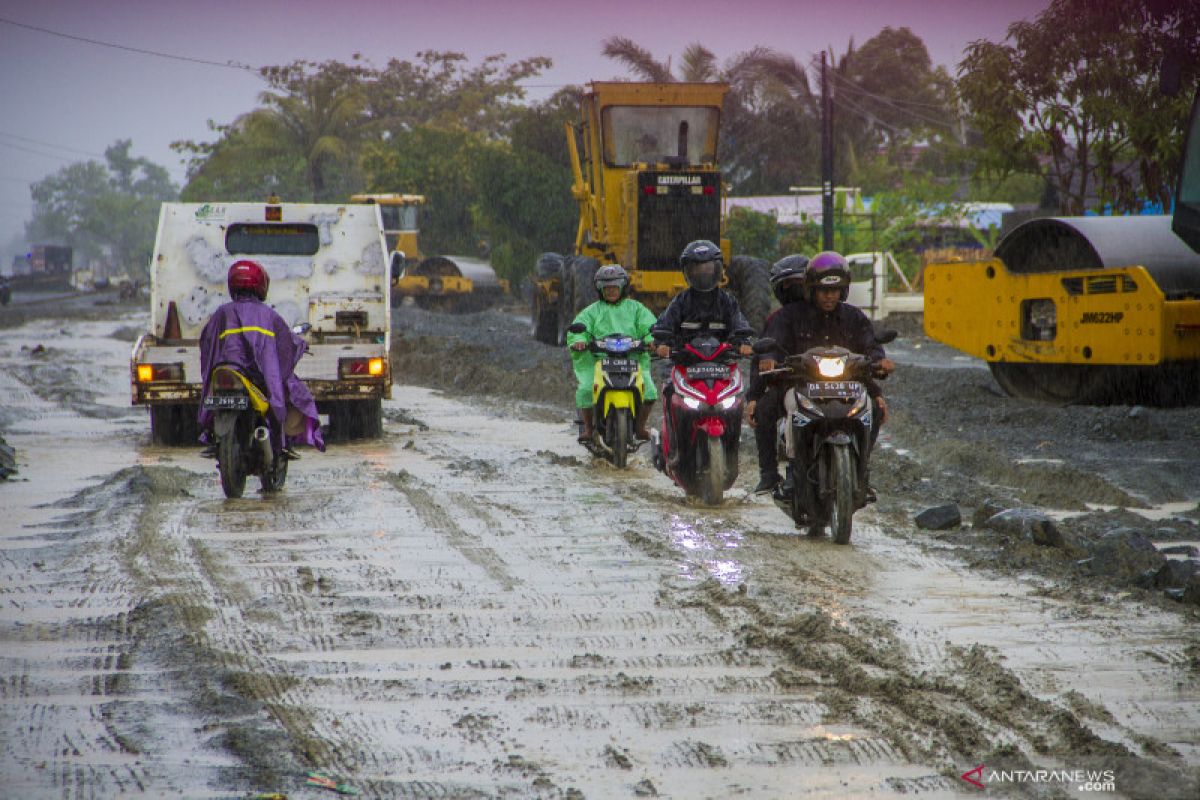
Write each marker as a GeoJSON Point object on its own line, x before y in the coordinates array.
{"type": "Point", "coordinates": [83, 715]}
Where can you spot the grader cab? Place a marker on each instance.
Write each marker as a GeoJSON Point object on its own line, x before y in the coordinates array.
{"type": "Point", "coordinates": [644, 157]}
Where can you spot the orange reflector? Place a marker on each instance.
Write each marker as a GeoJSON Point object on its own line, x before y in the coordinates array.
{"type": "Point", "coordinates": [145, 373]}
{"type": "Point", "coordinates": [375, 367]}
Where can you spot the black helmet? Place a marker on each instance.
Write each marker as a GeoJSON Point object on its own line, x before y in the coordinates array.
{"type": "Point", "coordinates": [701, 263]}
{"type": "Point", "coordinates": [611, 275]}
{"type": "Point", "coordinates": [787, 278]}
{"type": "Point", "coordinates": [828, 270]}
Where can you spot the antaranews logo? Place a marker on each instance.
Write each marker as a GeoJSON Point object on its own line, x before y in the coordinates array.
{"type": "Point", "coordinates": [1083, 780]}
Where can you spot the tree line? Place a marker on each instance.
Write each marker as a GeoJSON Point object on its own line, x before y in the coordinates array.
{"type": "Point", "coordinates": [1070, 113]}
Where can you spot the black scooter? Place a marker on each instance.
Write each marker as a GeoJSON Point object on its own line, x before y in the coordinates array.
{"type": "Point", "coordinates": [827, 429]}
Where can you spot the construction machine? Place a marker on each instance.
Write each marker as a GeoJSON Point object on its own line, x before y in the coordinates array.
{"type": "Point", "coordinates": [1085, 309]}
{"type": "Point", "coordinates": [437, 282]}
{"type": "Point", "coordinates": [644, 158]}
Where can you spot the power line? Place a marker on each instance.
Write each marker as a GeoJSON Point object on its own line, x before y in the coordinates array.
{"type": "Point", "coordinates": [51, 144]}
{"type": "Point", "coordinates": [55, 156]}
{"type": "Point", "coordinates": [226, 64]}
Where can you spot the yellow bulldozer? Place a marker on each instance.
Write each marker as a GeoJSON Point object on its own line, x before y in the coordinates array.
{"type": "Point", "coordinates": [435, 282]}
{"type": "Point", "coordinates": [644, 158]}
{"type": "Point", "coordinates": [1084, 309]}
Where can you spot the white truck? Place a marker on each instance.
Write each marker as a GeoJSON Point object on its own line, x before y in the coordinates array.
{"type": "Point", "coordinates": [328, 267]}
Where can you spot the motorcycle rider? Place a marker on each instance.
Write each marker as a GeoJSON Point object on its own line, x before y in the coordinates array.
{"type": "Point", "coordinates": [764, 405]}
{"type": "Point", "coordinates": [614, 313]}
{"type": "Point", "coordinates": [251, 335]}
{"type": "Point", "coordinates": [827, 320]}
{"type": "Point", "coordinates": [703, 306]}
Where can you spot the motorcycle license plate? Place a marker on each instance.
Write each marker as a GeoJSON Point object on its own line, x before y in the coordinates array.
{"type": "Point", "coordinates": [237, 402]}
{"type": "Point", "coordinates": [708, 372]}
{"type": "Point", "coordinates": [619, 363]}
{"type": "Point", "coordinates": [832, 389]}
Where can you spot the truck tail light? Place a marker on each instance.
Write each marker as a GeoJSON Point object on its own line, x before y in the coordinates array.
{"type": "Point", "coordinates": [360, 367]}
{"type": "Point", "coordinates": [149, 373]}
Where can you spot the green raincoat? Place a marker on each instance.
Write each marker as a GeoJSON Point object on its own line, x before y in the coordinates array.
{"type": "Point", "coordinates": [627, 317]}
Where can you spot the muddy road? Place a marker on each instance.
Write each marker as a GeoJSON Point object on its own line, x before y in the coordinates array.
{"type": "Point", "coordinates": [472, 607]}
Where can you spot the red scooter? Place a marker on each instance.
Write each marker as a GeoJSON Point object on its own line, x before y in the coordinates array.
{"type": "Point", "coordinates": [702, 419]}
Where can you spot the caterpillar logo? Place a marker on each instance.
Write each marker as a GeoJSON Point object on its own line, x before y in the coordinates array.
{"type": "Point", "coordinates": [1101, 317]}
{"type": "Point", "coordinates": [678, 180]}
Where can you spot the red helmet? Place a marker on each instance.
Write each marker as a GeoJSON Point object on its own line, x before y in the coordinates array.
{"type": "Point", "coordinates": [249, 276]}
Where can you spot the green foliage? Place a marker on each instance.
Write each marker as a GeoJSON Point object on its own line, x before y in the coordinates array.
{"type": "Point", "coordinates": [439, 164]}
{"type": "Point", "coordinates": [103, 209]}
{"type": "Point", "coordinates": [752, 233]}
{"type": "Point", "coordinates": [1080, 103]}
{"type": "Point", "coordinates": [525, 208]}
{"type": "Point", "coordinates": [245, 164]}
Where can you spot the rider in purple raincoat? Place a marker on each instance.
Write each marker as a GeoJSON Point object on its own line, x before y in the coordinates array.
{"type": "Point", "coordinates": [248, 333]}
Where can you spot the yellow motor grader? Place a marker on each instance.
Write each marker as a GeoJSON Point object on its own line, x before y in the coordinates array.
{"type": "Point", "coordinates": [435, 282]}
{"type": "Point", "coordinates": [1084, 309]}
{"type": "Point", "coordinates": [644, 157]}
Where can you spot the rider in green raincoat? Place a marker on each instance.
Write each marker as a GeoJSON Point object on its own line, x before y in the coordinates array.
{"type": "Point", "coordinates": [614, 312]}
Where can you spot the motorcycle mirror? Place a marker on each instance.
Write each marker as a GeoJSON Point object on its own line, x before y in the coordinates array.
{"type": "Point", "coordinates": [302, 328]}
{"type": "Point", "coordinates": [886, 335]}
{"type": "Point", "coordinates": [576, 327]}
{"type": "Point", "coordinates": [764, 346]}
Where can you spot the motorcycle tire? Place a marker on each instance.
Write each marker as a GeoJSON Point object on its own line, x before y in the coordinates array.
{"type": "Point", "coordinates": [273, 478]}
{"type": "Point", "coordinates": [712, 479]}
{"type": "Point", "coordinates": [616, 430]}
{"type": "Point", "coordinates": [842, 506]}
{"type": "Point", "coordinates": [232, 466]}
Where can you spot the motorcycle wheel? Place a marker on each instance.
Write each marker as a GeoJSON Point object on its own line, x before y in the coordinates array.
{"type": "Point", "coordinates": [232, 466]}
{"type": "Point", "coordinates": [712, 481]}
{"type": "Point", "coordinates": [616, 428]}
{"type": "Point", "coordinates": [272, 479]}
{"type": "Point", "coordinates": [841, 507]}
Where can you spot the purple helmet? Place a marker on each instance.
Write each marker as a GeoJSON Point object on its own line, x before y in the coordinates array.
{"type": "Point", "coordinates": [828, 270]}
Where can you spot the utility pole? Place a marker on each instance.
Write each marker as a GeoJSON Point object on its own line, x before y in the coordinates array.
{"type": "Point", "coordinates": [826, 160]}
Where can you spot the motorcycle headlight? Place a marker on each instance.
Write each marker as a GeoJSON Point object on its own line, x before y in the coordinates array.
{"type": "Point", "coordinates": [691, 403]}
{"type": "Point", "coordinates": [831, 367]}
{"type": "Point", "coordinates": [728, 402]}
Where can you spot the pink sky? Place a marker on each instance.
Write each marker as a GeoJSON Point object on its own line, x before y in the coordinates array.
{"type": "Point", "coordinates": [68, 100]}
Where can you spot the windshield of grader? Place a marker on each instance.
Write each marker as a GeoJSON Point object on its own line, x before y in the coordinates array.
{"type": "Point", "coordinates": [398, 218]}
{"type": "Point", "coordinates": [656, 133]}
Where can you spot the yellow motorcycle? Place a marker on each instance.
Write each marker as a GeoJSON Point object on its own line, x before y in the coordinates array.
{"type": "Point", "coordinates": [618, 391]}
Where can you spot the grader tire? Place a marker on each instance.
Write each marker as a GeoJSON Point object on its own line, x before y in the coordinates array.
{"type": "Point", "coordinates": [750, 282]}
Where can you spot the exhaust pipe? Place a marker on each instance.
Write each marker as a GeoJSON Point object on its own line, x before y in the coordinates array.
{"type": "Point", "coordinates": [263, 437]}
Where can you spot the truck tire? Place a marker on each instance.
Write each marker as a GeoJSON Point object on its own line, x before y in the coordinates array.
{"type": "Point", "coordinates": [565, 310]}
{"type": "Point", "coordinates": [750, 282]}
{"type": "Point", "coordinates": [174, 425]}
{"type": "Point", "coordinates": [433, 268]}
{"type": "Point", "coordinates": [583, 284]}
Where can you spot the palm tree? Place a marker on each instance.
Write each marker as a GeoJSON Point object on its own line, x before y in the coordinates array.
{"type": "Point", "coordinates": [318, 115]}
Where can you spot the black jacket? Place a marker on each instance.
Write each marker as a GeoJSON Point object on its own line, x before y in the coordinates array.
{"type": "Point", "coordinates": [799, 326]}
{"type": "Point", "coordinates": [691, 312]}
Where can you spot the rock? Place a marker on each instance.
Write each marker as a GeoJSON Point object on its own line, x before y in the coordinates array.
{"type": "Point", "coordinates": [1174, 574]}
{"type": "Point", "coordinates": [1136, 412]}
{"type": "Point", "coordinates": [1027, 523]}
{"type": "Point", "coordinates": [1124, 554]}
{"type": "Point", "coordinates": [989, 509]}
{"type": "Point", "coordinates": [1191, 592]}
{"type": "Point", "coordinates": [939, 518]}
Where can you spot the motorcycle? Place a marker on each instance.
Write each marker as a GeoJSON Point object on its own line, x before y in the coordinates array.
{"type": "Point", "coordinates": [617, 395]}
{"type": "Point", "coordinates": [702, 419]}
{"type": "Point", "coordinates": [5, 291]}
{"type": "Point", "coordinates": [828, 421]}
{"type": "Point", "coordinates": [243, 431]}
